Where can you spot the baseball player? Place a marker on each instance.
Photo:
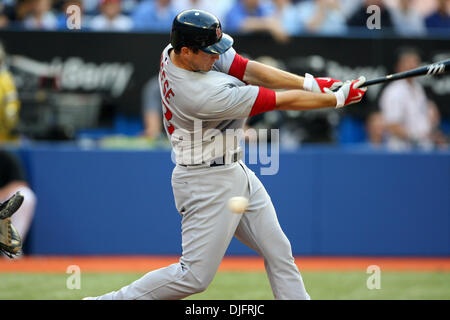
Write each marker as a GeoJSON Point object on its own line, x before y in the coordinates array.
{"type": "Point", "coordinates": [207, 91]}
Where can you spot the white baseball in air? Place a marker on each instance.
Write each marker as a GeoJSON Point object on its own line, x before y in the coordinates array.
{"type": "Point", "coordinates": [238, 204]}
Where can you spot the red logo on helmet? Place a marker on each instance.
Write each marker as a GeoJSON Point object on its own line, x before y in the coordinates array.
{"type": "Point", "coordinates": [219, 33]}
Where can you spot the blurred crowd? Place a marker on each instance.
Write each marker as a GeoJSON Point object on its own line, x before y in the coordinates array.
{"type": "Point", "coordinates": [404, 116]}
{"type": "Point", "coordinates": [280, 18]}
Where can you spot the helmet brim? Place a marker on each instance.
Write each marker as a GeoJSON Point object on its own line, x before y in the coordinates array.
{"type": "Point", "coordinates": [225, 43]}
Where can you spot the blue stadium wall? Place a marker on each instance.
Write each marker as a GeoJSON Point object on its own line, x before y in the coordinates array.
{"type": "Point", "coordinates": [329, 202]}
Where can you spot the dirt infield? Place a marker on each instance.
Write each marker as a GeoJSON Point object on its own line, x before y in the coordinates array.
{"type": "Point", "coordinates": [148, 263]}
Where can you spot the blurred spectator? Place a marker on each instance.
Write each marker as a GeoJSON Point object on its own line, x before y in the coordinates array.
{"type": "Point", "coordinates": [245, 11]}
{"type": "Point", "coordinates": [7, 12]}
{"type": "Point", "coordinates": [154, 15]}
{"type": "Point", "coordinates": [91, 7]}
{"type": "Point", "coordinates": [375, 129]}
{"type": "Point", "coordinates": [407, 21]}
{"type": "Point", "coordinates": [9, 103]}
{"type": "Point", "coordinates": [411, 120]}
{"type": "Point", "coordinates": [63, 16]}
{"type": "Point", "coordinates": [439, 21]}
{"type": "Point", "coordinates": [15, 11]}
{"type": "Point", "coordinates": [128, 6]}
{"type": "Point", "coordinates": [152, 108]}
{"type": "Point", "coordinates": [248, 16]}
{"type": "Point", "coordinates": [111, 18]}
{"type": "Point", "coordinates": [4, 20]}
{"type": "Point", "coordinates": [349, 7]}
{"type": "Point", "coordinates": [12, 179]}
{"type": "Point", "coordinates": [321, 16]}
{"type": "Point", "coordinates": [216, 7]}
{"type": "Point", "coordinates": [360, 17]}
{"type": "Point", "coordinates": [41, 17]}
{"type": "Point", "coordinates": [9, 3]}
{"type": "Point", "coordinates": [286, 14]}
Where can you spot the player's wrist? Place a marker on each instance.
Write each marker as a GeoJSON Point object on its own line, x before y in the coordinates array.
{"type": "Point", "coordinates": [308, 82]}
{"type": "Point", "coordinates": [339, 98]}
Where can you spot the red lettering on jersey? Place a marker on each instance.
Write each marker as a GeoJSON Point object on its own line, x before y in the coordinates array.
{"type": "Point", "coordinates": [168, 113]}
{"type": "Point", "coordinates": [167, 95]}
{"type": "Point", "coordinates": [168, 116]}
{"type": "Point", "coordinates": [165, 86]}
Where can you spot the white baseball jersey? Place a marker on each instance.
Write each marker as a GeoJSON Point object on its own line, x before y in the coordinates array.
{"type": "Point", "coordinates": [200, 107]}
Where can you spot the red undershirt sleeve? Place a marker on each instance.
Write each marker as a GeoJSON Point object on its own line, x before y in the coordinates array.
{"type": "Point", "coordinates": [265, 101]}
{"type": "Point", "coordinates": [238, 66]}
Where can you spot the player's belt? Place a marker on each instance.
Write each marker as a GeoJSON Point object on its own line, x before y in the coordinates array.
{"type": "Point", "coordinates": [220, 161]}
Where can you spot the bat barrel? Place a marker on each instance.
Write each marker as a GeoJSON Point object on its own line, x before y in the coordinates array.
{"type": "Point", "coordinates": [432, 69]}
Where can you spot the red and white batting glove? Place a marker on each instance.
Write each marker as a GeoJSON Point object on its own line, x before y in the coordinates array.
{"type": "Point", "coordinates": [320, 84]}
{"type": "Point", "coordinates": [350, 92]}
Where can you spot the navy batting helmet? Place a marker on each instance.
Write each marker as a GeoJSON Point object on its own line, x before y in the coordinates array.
{"type": "Point", "coordinates": [199, 29]}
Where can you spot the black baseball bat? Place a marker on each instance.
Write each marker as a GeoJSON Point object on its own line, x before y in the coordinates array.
{"type": "Point", "coordinates": [432, 69]}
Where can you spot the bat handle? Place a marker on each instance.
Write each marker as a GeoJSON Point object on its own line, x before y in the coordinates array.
{"type": "Point", "coordinates": [376, 81]}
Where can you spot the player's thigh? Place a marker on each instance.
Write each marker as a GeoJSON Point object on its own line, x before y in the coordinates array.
{"type": "Point", "coordinates": [259, 228]}
{"type": "Point", "coordinates": [207, 224]}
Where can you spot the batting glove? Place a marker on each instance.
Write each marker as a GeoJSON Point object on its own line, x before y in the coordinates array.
{"type": "Point", "coordinates": [319, 85]}
{"type": "Point", "coordinates": [350, 92]}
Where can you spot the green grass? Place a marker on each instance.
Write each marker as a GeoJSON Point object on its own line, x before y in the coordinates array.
{"type": "Point", "coordinates": [238, 285]}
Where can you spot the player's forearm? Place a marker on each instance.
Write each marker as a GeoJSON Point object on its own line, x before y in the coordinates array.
{"type": "Point", "coordinates": [303, 100]}
{"type": "Point", "coordinates": [269, 77]}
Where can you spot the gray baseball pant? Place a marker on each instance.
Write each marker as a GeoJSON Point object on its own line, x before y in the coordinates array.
{"type": "Point", "coordinates": [201, 195]}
